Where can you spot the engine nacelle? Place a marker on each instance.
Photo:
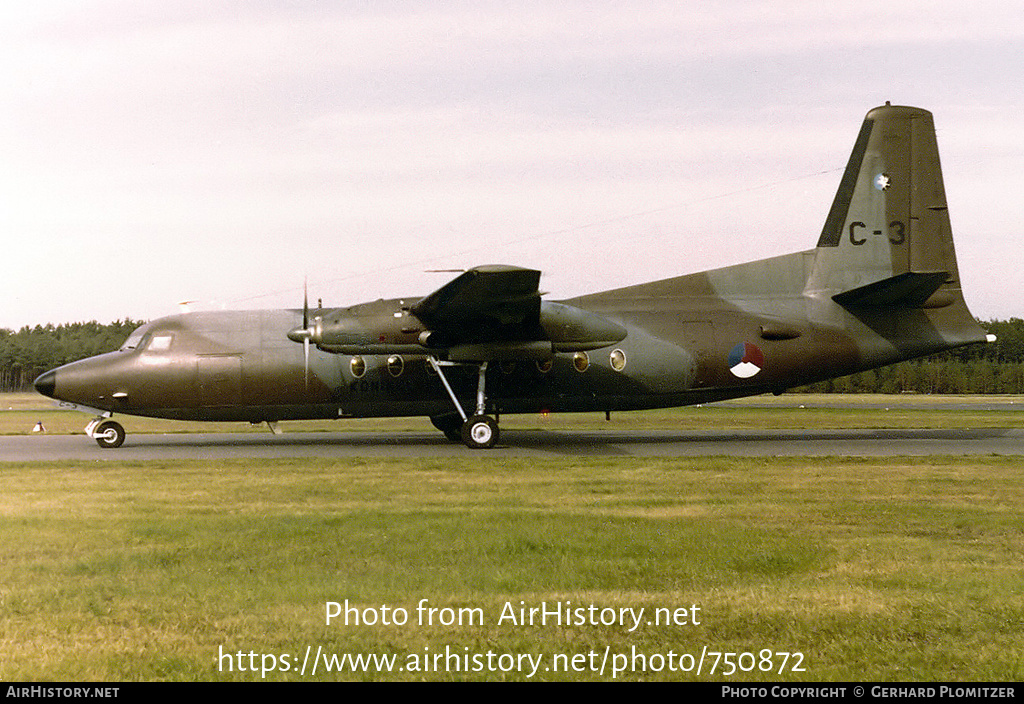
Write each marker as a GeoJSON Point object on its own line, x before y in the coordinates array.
{"type": "Point", "coordinates": [574, 330]}
{"type": "Point", "coordinates": [380, 328]}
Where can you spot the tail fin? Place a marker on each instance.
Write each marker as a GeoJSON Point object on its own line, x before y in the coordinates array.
{"type": "Point", "coordinates": [887, 239]}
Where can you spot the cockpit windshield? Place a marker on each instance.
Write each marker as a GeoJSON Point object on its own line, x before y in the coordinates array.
{"type": "Point", "coordinates": [134, 340]}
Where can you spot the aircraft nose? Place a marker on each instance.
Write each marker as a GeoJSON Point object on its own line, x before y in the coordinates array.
{"type": "Point", "coordinates": [46, 383]}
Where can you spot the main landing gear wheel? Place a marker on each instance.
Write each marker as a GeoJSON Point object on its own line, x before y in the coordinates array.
{"type": "Point", "coordinates": [449, 424]}
{"type": "Point", "coordinates": [109, 434]}
{"type": "Point", "coordinates": [480, 432]}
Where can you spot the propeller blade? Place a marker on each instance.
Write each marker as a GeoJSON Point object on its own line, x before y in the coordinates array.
{"type": "Point", "coordinates": [305, 354]}
{"type": "Point", "coordinates": [305, 325]}
{"type": "Point", "coordinates": [305, 303]}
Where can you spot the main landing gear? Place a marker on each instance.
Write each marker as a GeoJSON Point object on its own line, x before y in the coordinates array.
{"type": "Point", "coordinates": [478, 431]}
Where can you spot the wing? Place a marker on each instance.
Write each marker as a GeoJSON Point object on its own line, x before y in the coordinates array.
{"type": "Point", "coordinates": [495, 303]}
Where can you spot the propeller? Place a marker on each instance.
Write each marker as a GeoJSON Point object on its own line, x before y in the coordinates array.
{"type": "Point", "coordinates": [305, 326]}
{"type": "Point", "coordinates": [305, 333]}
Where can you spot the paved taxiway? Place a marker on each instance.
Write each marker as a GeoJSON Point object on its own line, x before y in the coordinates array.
{"type": "Point", "coordinates": [750, 443]}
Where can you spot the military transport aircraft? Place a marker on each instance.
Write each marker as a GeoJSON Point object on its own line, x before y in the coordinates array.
{"type": "Point", "coordinates": [880, 287]}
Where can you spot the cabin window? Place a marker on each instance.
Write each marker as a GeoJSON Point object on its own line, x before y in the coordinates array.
{"type": "Point", "coordinates": [618, 360]}
{"type": "Point", "coordinates": [544, 366]}
{"type": "Point", "coordinates": [358, 367]}
{"type": "Point", "coordinates": [581, 361]}
{"type": "Point", "coordinates": [396, 365]}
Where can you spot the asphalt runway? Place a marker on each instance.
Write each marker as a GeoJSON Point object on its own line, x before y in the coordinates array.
{"type": "Point", "coordinates": [750, 443]}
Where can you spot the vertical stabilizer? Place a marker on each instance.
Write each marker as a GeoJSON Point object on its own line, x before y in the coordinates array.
{"type": "Point", "coordinates": [887, 239]}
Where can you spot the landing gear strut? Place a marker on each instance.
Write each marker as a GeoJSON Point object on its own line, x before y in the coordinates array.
{"type": "Point", "coordinates": [478, 431]}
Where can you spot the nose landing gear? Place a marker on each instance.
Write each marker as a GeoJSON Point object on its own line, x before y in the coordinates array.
{"type": "Point", "coordinates": [108, 434]}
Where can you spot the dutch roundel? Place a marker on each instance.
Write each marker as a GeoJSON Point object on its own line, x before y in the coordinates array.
{"type": "Point", "coordinates": [745, 360]}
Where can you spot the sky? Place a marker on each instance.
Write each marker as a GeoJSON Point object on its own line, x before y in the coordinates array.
{"type": "Point", "coordinates": [224, 152]}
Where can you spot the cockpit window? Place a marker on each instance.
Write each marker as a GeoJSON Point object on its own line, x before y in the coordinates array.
{"type": "Point", "coordinates": [160, 343]}
{"type": "Point", "coordinates": [135, 339]}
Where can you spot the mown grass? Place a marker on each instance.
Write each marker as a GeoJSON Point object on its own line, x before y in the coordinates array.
{"type": "Point", "coordinates": [874, 569]}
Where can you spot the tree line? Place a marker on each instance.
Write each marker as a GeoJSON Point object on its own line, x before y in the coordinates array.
{"type": "Point", "coordinates": [30, 351]}
{"type": "Point", "coordinates": [996, 368]}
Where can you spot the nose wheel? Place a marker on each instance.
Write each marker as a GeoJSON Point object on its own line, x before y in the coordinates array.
{"type": "Point", "coordinates": [108, 434]}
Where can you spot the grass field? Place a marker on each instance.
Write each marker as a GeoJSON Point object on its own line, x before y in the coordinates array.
{"type": "Point", "coordinates": [871, 569]}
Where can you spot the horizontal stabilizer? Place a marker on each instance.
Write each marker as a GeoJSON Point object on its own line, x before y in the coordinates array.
{"type": "Point", "coordinates": [907, 290]}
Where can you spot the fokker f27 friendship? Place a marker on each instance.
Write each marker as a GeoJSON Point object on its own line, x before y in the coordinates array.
{"type": "Point", "coordinates": [881, 286]}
